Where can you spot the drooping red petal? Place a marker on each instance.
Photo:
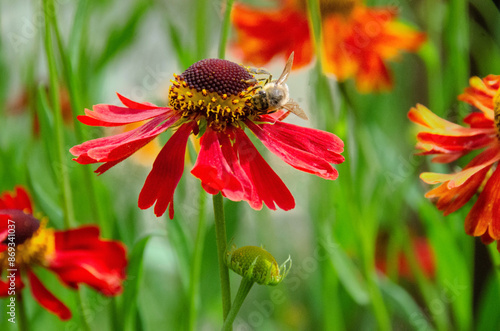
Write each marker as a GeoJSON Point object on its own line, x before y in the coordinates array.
{"type": "Point", "coordinates": [81, 257]}
{"type": "Point", "coordinates": [230, 153]}
{"type": "Point", "coordinates": [21, 200]}
{"type": "Point", "coordinates": [268, 186]}
{"type": "Point", "coordinates": [115, 149]}
{"type": "Point", "coordinates": [485, 214]}
{"type": "Point", "coordinates": [110, 115]}
{"type": "Point", "coordinates": [306, 149]}
{"type": "Point", "coordinates": [213, 170]}
{"type": "Point", "coordinates": [166, 174]}
{"type": "Point", "coordinates": [137, 105]}
{"type": "Point", "coordinates": [46, 299]}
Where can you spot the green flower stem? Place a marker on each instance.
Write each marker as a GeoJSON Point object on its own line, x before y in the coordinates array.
{"type": "Point", "coordinates": [220, 237]}
{"type": "Point", "coordinates": [64, 183]}
{"type": "Point", "coordinates": [225, 29]}
{"type": "Point", "coordinates": [69, 218]}
{"type": "Point", "coordinates": [194, 283]}
{"type": "Point", "coordinates": [245, 286]}
{"type": "Point", "coordinates": [23, 324]}
{"type": "Point", "coordinates": [495, 260]}
{"type": "Point", "coordinates": [76, 107]}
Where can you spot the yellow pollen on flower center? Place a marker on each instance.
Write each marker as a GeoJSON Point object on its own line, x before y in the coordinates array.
{"type": "Point", "coordinates": [218, 110]}
{"type": "Point", "coordinates": [496, 111]}
{"type": "Point", "coordinates": [36, 250]}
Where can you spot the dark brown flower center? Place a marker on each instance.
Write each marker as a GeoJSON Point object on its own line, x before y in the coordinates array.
{"type": "Point", "coordinates": [24, 225]}
{"type": "Point", "coordinates": [218, 91]}
{"type": "Point", "coordinates": [216, 75]}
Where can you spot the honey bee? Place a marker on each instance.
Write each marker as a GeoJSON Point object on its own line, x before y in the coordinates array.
{"type": "Point", "coordinates": [274, 95]}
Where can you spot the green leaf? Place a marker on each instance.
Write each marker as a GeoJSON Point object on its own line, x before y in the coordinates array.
{"type": "Point", "coordinates": [134, 274]}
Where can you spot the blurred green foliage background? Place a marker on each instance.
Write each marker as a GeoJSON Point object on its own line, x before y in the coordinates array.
{"type": "Point", "coordinates": [338, 230]}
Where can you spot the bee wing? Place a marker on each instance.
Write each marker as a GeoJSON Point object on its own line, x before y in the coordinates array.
{"type": "Point", "coordinates": [286, 71]}
{"type": "Point", "coordinates": [294, 108]}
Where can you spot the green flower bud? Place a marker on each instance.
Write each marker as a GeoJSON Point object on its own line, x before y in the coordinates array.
{"type": "Point", "coordinates": [257, 265]}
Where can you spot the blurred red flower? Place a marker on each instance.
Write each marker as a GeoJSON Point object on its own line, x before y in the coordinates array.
{"type": "Point", "coordinates": [357, 40]}
{"type": "Point", "coordinates": [423, 255]}
{"type": "Point", "coordinates": [211, 98]}
{"type": "Point", "coordinates": [76, 256]}
{"type": "Point", "coordinates": [450, 141]}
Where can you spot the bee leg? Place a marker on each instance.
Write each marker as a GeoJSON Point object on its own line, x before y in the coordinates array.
{"type": "Point", "coordinates": [251, 81]}
{"type": "Point", "coordinates": [257, 71]}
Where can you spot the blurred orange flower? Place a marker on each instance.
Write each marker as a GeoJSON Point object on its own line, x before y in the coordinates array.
{"type": "Point", "coordinates": [357, 40]}
{"type": "Point", "coordinates": [450, 141]}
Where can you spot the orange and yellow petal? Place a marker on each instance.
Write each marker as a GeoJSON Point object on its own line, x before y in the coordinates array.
{"type": "Point", "coordinates": [481, 93]}
{"type": "Point", "coordinates": [359, 44]}
{"type": "Point", "coordinates": [263, 34]}
{"type": "Point", "coordinates": [485, 214]}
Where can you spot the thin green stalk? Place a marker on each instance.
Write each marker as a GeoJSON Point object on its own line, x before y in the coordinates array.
{"type": "Point", "coordinates": [201, 29]}
{"type": "Point", "coordinates": [245, 287]}
{"type": "Point", "coordinates": [194, 283]}
{"type": "Point", "coordinates": [220, 237]}
{"type": "Point", "coordinates": [67, 203]}
{"type": "Point", "coordinates": [76, 107]}
{"type": "Point", "coordinates": [23, 324]}
{"type": "Point", "coordinates": [495, 260]}
{"type": "Point", "coordinates": [64, 183]}
{"type": "Point", "coordinates": [225, 29]}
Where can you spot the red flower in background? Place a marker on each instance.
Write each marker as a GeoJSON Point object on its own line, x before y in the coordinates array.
{"type": "Point", "coordinates": [76, 256]}
{"type": "Point", "coordinates": [449, 141]}
{"type": "Point", "coordinates": [423, 254]}
{"type": "Point", "coordinates": [357, 40]}
{"type": "Point", "coordinates": [212, 98]}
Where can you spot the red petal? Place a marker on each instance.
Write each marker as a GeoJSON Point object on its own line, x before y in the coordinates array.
{"type": "Point", "coordinates": [166, 174]}
{"type": "Point", "coordinates": [479, 121]}
{"type": "Point", "coordinates": [21, 200]}
{"type": "Point", "coordinates": [47, 299]}
{"type": "Point", "coordinates": [230, 154]}
{"type": "Point", "coordinates": [485, 214]}
{"type": "Point", "coordinates": [82, 257]}
{"type": "Point", "coordinates": [449, 143]}
{"type": "Point", "coordinates": [109, 115]}
{"type": "Point", "coordinates": [115, 149]}
{"type": "Point", "coordinates": [213, 170]}
{"type": "Point", "coordinates": [137, 105]}
{"type": "Point", "coordinates": [268, 186]}
{"type": "Point", "coordinates": [305, 149]}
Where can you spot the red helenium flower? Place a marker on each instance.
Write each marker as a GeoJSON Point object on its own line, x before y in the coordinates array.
{"type": "Point", "coordinates": [213, 96]}
{"type": "Point", "coordinates": [450, 141]}
{"type": "Point", "coordinates": [357, 40]}
{"type": "Point", "coordinates": [76, 256]}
